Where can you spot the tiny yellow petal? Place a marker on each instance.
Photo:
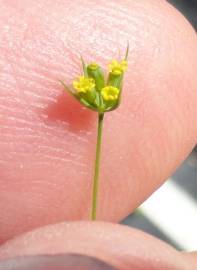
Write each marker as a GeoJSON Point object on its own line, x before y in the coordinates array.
{"type": "Point", "coordinates": [117, 71]}
{"type": "Point", "coordinates": [117, 68]}
{"type": "Point", "coordinates": [83, 85]}
{"type": "Point", "coordinates": [124, 65]}
{"type": "Point", "coordinates": [93, 66]}
{"type": "Point", "coordinates": [114, 62]}
{"type": "Point", "coordinates": [110, 93]}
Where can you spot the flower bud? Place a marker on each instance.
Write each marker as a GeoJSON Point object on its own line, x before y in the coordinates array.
{"type": "Point", "coordinates": [95, 71]}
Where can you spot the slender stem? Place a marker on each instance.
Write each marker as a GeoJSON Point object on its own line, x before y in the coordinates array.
{"type": "Point", "coordinates": [97, 166]}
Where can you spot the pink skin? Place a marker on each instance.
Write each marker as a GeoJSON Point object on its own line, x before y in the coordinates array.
{"type": "Point", "coordinates": [117, 245]}
{"type": "Point", "coordinates": [47, 140]}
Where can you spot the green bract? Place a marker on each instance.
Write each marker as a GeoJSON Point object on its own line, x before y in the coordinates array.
{"type": "Point", "coordinates": [94, 91]}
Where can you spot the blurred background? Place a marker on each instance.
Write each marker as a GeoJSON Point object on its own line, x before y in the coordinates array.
{"type": "Point", "coordinates": [171, 212]}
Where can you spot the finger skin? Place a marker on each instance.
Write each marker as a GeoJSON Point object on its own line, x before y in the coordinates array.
{"type": "Point", "coordinates": [47, 140]}
{"type": "Point", "coordinates": [117, 245]}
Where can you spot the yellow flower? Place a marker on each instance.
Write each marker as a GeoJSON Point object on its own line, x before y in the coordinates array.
{"type": "Point", "coordinates": [83, 85]}
{"type": "Point", "coordinates": [117, 68]}
{"type": "Point", "coordinates": [93, 66]}
{"type": "Point", "coordinates": [110, 93]}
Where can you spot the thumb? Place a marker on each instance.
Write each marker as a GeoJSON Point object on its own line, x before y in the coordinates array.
{"type": "Point", "coordinates": [116, 245]}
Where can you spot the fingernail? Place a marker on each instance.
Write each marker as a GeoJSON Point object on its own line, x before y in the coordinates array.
{"type": "Point", "coordinates": [55, 262]}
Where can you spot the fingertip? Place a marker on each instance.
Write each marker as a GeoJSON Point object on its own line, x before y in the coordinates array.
{"type": "Point", "coordinates": [47, 140]}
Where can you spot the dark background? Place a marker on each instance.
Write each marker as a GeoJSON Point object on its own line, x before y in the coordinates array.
{"type": "Point", "coordinates": [188, 8]}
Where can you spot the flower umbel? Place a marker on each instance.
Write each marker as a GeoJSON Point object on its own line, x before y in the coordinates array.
{"type": "Point", "coordinates": [102, 95]}
{"type": "Point", "coordinates": [94, 91]}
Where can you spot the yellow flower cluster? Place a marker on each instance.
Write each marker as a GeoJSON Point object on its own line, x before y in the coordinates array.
{"type": "Point", "coordinates": [96, 91]}
{"type": "Point", "coordinates": [110, 93]}
{"type": "Point", "coordinates": [83, 85]}
{"type": "Point", "coordinates": [117, 68]}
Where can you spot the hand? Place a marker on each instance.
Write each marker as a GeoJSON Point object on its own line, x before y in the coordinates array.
{"type": "Point", "coordinates": [47, 140]}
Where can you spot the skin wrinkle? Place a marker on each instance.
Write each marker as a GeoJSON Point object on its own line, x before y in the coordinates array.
{"type": "Point", "coordinates": [53, 42]}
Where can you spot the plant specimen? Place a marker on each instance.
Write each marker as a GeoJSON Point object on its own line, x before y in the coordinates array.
{"type": "Point", "coordinates": [101, 94]}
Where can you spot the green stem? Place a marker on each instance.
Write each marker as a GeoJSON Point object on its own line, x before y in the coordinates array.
{"type": "Point", "coordinates": [97, 166]}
